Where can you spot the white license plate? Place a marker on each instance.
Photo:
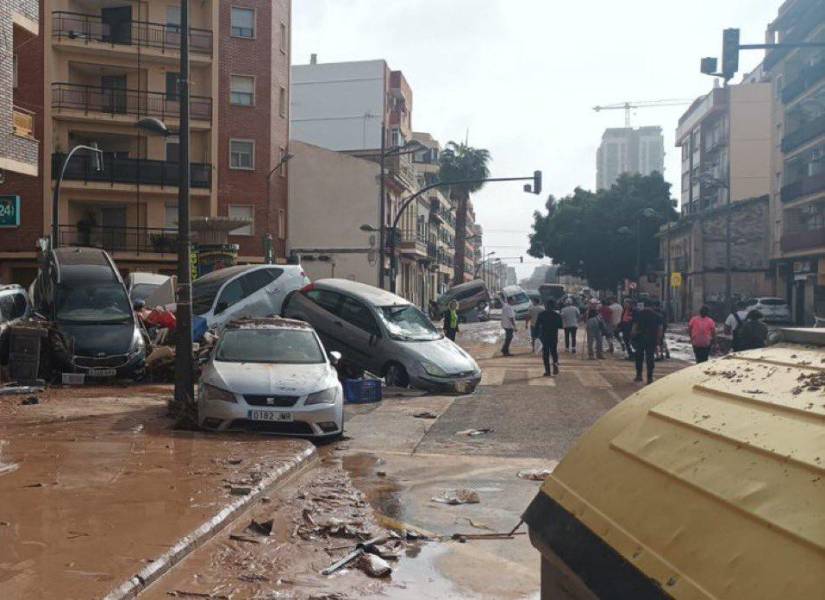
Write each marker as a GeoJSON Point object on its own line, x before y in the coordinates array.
{"type": "Point", "coordinates": [101, 372]}
{"type": "Point", "coordinates": [269, 415]}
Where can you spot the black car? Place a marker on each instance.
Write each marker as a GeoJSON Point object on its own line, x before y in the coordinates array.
{"type": "Point", "coordinates": [81, 291]}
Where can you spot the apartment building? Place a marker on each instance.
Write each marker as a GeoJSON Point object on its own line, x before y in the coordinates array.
{"type": "Point", "coordinates": [103, 66]}
{"type": "Point", "coordinates": [798, 161]}
{"type": "Point", "coordinates": [629, 150]}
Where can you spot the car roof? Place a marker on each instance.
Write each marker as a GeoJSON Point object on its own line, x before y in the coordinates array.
{"type": "Point", "coordinates": [475, 283]}
{"type": "Point", "coordinates": [512, 289]}
{"type": "Point", "coordinates": [228, 273]}
{"type": "Point", "coordinates": [88, 265]}
{"type": "Point", "coordinates": [143, 277]}
{"type": "Point", "coordinates": [268, 323]}
{"type": "Point", "coordinates": [368, 293]}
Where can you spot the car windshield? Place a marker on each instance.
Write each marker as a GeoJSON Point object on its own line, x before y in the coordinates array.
{"type": "Point", "coordinates": [293, 346]}
{"type": "Point", "coordinates": [771, 302]}
{"type": "Point", "coordinates": [203, 295]}
{"type": "Point", "coordinates": [140, 291]}
{"type": "Point", "coordinates": [98, 303]}
{"type": "Point", "coordinates": [407, 323]}
{"type": "Point", "coordinates": [520, 298]}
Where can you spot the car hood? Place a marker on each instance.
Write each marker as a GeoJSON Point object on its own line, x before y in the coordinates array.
{"type": "Point", "coordinates": [262, 379]}
{"type": "Point", "coordinates": [95, 339]}
{"type": "Point", "coordinates": [446, 354]}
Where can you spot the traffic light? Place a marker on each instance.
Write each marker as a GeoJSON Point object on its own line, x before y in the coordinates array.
{"type": "Point", "coordinates": [537, 182]}
{"type": "Point", "coordinates": [709, 65]}
{"type": "Point", "coordinates": [730, 53]}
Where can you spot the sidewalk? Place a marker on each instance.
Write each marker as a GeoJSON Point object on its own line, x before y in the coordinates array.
{"type": "Point", "coordinates": [96, 488]}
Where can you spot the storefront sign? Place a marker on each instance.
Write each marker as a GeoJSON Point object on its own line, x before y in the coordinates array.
{"type": "Point", "coordinates": [675, 279]}
{"type": "Point", "coordinates": [9, 211]}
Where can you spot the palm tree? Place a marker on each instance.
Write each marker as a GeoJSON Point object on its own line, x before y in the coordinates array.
{"type": "Point", "coordinates": [460, 162]}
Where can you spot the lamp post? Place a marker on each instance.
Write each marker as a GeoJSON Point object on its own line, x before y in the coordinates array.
{"type": "Point", "coordinates": [268, 249]}
{"type": "Point", "coordinates": [646, 213]}
{"type": "Point", "coordinates": [98, 154]}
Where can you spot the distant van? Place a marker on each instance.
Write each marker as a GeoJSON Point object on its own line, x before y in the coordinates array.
{"type": "Point", "coordinates": [471, 295]}
{"type": "Point", "coordinates": [521, 301]}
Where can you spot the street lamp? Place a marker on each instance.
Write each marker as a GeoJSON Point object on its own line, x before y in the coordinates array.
{"type": "Point", "coordinates": [647, 213]}
{"type": "Point", "coordinates": [98, 154]}
{"type": "Point", "coordinates": [268, 235]}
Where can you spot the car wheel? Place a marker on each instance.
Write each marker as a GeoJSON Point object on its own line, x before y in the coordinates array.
{"type": "Point", "coordinates": [396, 376]}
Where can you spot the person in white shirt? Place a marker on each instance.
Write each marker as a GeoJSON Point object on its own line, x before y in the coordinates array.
{"type": "Point", "coordinates": [508, 323]}
{"type": "Point", "coordinates": [570, 316]}
{"type": "Point", "coordinates": [532, 320]}
{"type": "Point", "coordinates": [616, 312]}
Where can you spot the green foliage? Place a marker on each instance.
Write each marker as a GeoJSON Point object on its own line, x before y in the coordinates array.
{"type": "Point", "coordinates": [461, 162]}
{"type": "Point", "coordinates": [593, 235]}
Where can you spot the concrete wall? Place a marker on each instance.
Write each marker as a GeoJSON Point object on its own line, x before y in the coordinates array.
{"type": "Point", "coordinates": [750, 140]}
{"type": "Point", "coordinates": [339, 105]}
{"type": "Point", "coordinates": [331, 195]}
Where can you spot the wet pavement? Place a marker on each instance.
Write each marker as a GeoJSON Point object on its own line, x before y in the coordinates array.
{"type": "Point", "coordinates": [96, 486]}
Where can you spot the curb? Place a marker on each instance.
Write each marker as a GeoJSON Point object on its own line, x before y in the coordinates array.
{"type": "Point", "coordinates": [190, 542]}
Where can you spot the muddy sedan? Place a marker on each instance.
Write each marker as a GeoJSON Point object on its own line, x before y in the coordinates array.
{"type": "Point", "coordinates": [271, 376]}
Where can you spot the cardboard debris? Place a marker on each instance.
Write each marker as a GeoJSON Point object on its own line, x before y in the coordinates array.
{"type": "Point", "coordinates": [459, 496]}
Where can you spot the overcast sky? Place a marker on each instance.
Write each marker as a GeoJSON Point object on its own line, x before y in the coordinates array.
{"type": "Point", "coordinates": [523, 75]}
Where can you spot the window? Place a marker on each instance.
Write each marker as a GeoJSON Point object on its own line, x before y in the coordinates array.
{"type": "Point", "coordinates": [173, 148]}
{"type": "Point", "coordinates": [282, 102]}
{"type": "Point", "coordinates": [172, 86]}
{"type": "Point", "coordinates": [327, 300]}
{"type": "Point", "coordinates": [284, 41]}
{"type": "Point", "coordinates": [257, 279]}
{"type": "Point", "coordinates": [173, 16]}
{"type": "Point", "coordinates": [170, 220]}
{"type": "Point", "coordinates": [243, 22]}
{"type": "Point", "coordinates": [282, 167]}
{"type": "Point", "coordinates": [241, 154]}
{"type": "Point", "coordinates": [242, 90]}
{"type": "Point", "coordinates": [241, 212]}
{"type": "Point", "coordinates": [14, 71]}
{"type": "Point", "coordinates": [359, 315]}
{"type": "Point", "coordinates": [231, 294]}
{"type": "Point", "coordinates": [281, 224]}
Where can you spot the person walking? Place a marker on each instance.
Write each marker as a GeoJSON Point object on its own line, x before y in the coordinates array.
{"type": "Point", "coordinates": [508, 323]}
{"type": "Point", "coordinates": [607, 318]}
{"type": "Point", "coordinates": [628, 313]}
{"type": "Point", "coordinates": [735, 320]}
{"type": "Point", "coordinates": [595, 328]}
{"type": "Point", "coordinates": [548, 324]}
{"type": "Point", "coordinates": [753, 332]}
{"type": "Point", "coordinates": [616, 320]}
{"type": "Point", "coordinates": [570, 316]}
{"type": "Point", "coordinates": [451, 320]}
{"type": "Point", "coordinates": [662, 351]}
{"type": "Point", "coordinates": [645, 334]}
{"type": "Point", "coordinates": [702, 330]}
{"type": "Point", "coordinates": [533, 320]}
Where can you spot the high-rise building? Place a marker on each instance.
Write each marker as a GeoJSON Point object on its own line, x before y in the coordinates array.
{"type": "Point", "coordinates": [102, 67]}
{"type": "Point", "coordinates": [629, 150]}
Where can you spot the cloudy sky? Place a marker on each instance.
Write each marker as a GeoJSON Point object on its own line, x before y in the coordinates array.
{"type": "Point", "coordinates": [522, 77]}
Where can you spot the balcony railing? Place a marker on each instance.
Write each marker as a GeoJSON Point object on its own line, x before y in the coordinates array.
{"type": "Point", "coordinates": [803, 187]}
{"type": "Point", "coordinates": [807, 78]}
{"type": "Point", "coordinates": [804, 133]}
{"type": "Point", "coordinates": [92, 28]}
{"type": "Point", "coordinates": [138, 103]}
{"type": "Point", "coordinates": [130, 170]}
{"type": "Point", "coordinates": [139, 240]}
{"type": "Point", "coordinates": [23, 122]}
{"type": "Point", "coordinates": [809, 18]}
{"type": "Point", "coordinates": [794, 241]}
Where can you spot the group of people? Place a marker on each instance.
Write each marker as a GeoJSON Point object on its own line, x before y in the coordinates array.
{"type": "Point", "coordinates": [745, 327]}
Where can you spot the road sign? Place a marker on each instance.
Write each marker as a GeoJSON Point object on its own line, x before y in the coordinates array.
{"type": "Point", "coordinates": [9, 211]}
{"type": "Point", "coordinates": [675, 279]}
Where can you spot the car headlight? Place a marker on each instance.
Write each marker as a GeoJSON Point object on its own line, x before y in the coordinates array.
{"type": "Point", "coordinates": [327, 396]}
{"type": "Point", "coordinates": [433, 369]}
{"type": "Point", "coordinates": [211, 392]}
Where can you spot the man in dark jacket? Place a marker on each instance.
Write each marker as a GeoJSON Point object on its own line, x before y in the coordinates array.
{"type": "Point", "coordinates": [548, 324]}
{"type": "Point", "coordinates": [753, 332]}
{"type": "Point", "coordinates": [646, 333]}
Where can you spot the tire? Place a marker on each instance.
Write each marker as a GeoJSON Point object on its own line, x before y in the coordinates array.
{"type": "Point", "coordinates": [396, 375]}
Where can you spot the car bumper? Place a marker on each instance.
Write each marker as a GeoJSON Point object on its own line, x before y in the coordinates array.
{"type": "Point", "coordinates": [446, 385]}
{"type": "Point", "coordinates": [134, 366]}
{"type": "Point", "coordinates": [322, 420]}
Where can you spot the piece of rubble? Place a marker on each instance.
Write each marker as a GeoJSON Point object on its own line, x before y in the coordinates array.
{"type": "Point", "coordinates": [425, 415]}
{"type": "Point", "coordinates": [535, 474]}
{"type": "Point", "coordinates": [30, 401]}
{"type": "Point", "coordinates": [373, 565]}
{"type": "Point", "coordinates": [458, 496]}
{"type": "Point", "coordinates": [240, 490]}
{"type": "Point", "coordinates": [474, 432]}
{"type": "Point", "coordinates": [261, 527]}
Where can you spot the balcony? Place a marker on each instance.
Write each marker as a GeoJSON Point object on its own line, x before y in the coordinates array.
{"type": "Point", "coordinates": [111, 102]}
{"type": "Point", "coordinates": [809, 239]}
{"type": "Point", "coordinates": [130, 171]}
{"type": "Point", "coordinates": [809, 76]}
{"type": "Point", "coordinates": [804, 133]}
{"type": "Point", "coordinates": [809, 17]}
{"type": "Point", "coordinates": [135, 240]}
{"type": "Point", "coordinates": [412, 242]}
{"type": "Point", "coordinates": [23, 122]}
{"type": "Point", "coordinates": [91, 29]}
{"type": "Point", "coordinates": [803, 187]}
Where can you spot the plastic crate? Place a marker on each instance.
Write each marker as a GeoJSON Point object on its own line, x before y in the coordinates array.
{"type": "Point", "coordinates": [362, 391]}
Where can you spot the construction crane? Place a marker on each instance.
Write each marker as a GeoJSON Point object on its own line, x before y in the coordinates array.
{"type": "Point", "coordinates": [629, 105]}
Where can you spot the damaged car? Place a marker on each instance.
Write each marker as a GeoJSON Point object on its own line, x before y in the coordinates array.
{"type": "Point", "coordinates": [271, 375]}
{"type": "Point", "coordinates": [384, 334]}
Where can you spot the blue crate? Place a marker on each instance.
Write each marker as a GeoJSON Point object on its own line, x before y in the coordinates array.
{"type": "Point", "coordinates": [362, 391]}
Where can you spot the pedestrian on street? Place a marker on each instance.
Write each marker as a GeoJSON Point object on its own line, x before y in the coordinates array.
{"type": "Point", "coordinates": [533, 320]}
{"type": "Point", "coordinates": [607, 318]}
{"type": "Point", "coordinates": [754, 333]}
{"type": "Point", "coordinates": [570, 316]}
{"type": "Point", "coordinates": [508, 323]}
{"type": "Point", "coordinates": [628, 313]}
{"type": "Point", "coordinates": [645, 334]}
{"type": "Point", "coordinates": [616, 320]}
{"type": "Point", "coordinates": [548, 324]}
{"type": "Point", "coordinates": [595, 328]}
{"type": "Point", "coordinates": [451, 320]}
{"type": "Point", "coordinates": [735, 320]}
{"type": "Point", "coordinates": [702, 330]}
{"type": "Point", "coordinates": [662, 350]}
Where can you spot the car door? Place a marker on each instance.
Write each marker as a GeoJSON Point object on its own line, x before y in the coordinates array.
{"type": "Point", "coordinates": [360, 333]}
{"type": "Point", "coordinates": [256, 301]}
{"type": "Point", "coordinates": [277, 287]}
{"type": "Point", "coordinates": [321, 311]}
{"type": "Point", "coordinates": [225, 306]}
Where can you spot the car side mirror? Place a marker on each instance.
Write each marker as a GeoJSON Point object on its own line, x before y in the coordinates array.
{"type": "Point", "coordinates": [222, 306]}
{"type": "Point", "coordinates": [335, 358]}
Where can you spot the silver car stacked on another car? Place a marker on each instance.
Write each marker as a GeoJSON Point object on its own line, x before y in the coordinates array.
{"type": "Point", "coordinates": [272, 376]}
{"type": "Point", "coordinates": [774, 310]}
{"type": "Point", "coordinates": [384, 334]}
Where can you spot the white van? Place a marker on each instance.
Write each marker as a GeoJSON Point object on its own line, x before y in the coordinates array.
{"type": "Point", "coordinates": [244, 291]}
{"type": "Point", "coordinates": [521, 301]}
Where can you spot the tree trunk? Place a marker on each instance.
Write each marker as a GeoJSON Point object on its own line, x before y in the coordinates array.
{"type": "Point", "coordinates": [460, 237]}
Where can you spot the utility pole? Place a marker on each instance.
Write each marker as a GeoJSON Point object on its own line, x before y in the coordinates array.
{"type": "Point", "coordinates": [382, 210]}
{"type": "Point", "coordinates": [728, 275]}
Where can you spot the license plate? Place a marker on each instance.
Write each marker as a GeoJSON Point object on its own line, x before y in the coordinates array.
{"type": "Point", "coordinates": [269, 415]}
{"type": "Point", "coordinates": [101, 372]}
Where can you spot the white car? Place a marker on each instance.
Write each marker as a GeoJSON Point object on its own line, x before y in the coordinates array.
{"type": "Point", "coordinates": [244, 291]}
{"type": "Point", "coordinates": [521, 301]}
{"type": "Point", "coordinates": [141, 285]}
{"type": "Point", "coordinates": [774, 310]}
{"type": "Point", "coordinates": [271, 376]}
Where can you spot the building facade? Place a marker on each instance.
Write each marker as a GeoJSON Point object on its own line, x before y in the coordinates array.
{"type": "Point", "coordinates": [798, 160]}
{"type": "Point", "coordinates": [104, 67]}
{"type": "Point", "coordinates": [628, 150]}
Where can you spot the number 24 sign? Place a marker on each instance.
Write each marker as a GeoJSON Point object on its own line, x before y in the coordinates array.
{"type": "Point", "coordinates": [9, 211]}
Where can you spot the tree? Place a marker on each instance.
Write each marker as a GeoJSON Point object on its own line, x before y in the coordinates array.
{"type": "Point", "coordinates": [593, 235]}
{"type": "Point", "coordinates": [460, 162]}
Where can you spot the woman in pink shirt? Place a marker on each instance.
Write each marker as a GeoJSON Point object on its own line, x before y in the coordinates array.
{"type": "Point", "coordinates": [702, 331]}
